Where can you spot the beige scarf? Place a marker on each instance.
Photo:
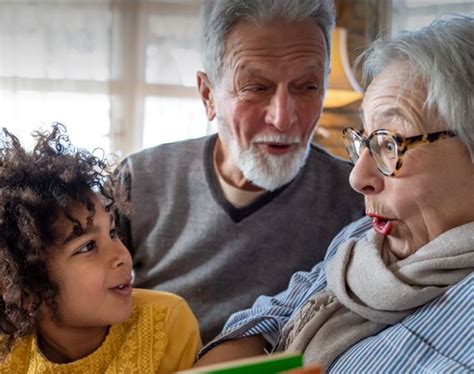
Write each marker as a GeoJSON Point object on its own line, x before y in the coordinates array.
{"type": "Point", "coordinates": [364, 295]}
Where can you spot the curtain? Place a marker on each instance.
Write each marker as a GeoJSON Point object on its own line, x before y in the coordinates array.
{"type": "Point", "coordinates": [412, 14]}
{"type": "Point", "coordinates": [120, 74]}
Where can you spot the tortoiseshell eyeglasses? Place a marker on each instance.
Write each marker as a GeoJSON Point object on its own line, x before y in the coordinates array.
{"type": "Point", "coordinates": [387, 148]}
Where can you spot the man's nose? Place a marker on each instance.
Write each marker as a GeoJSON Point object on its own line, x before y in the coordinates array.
{"type": "Point", "coordinates": [281, 111]}
{"type": "Point", "coordinates": [365, 178]}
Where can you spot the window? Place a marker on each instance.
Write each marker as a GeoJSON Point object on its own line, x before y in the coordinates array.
{"type": "Point", "coordinates": [44, 50]}
{"type": "Point", "coordinates": [119, 74]}
{"type": "Point", "coordinates": [412, 14]}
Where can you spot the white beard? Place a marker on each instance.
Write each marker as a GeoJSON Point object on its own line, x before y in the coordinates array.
{"type": "Point", "coordinates": [266, 170]}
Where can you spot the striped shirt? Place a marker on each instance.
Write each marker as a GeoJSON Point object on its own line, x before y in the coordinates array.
{"type": "Point", "coordinates": [437, 337]}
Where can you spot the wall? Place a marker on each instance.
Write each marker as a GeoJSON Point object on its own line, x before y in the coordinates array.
{"type": "Point", "coordinates": [364, 20]}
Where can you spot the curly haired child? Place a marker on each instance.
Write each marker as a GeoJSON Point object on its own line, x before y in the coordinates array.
{"type": "Point", "coordinates": [66, 300]}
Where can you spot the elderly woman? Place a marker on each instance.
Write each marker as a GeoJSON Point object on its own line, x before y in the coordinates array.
{"type": "Point", "coordinates": [397, 298]}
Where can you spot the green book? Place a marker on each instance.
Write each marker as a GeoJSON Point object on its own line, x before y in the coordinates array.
{"type": "Point", "coordinates": [268, 364]}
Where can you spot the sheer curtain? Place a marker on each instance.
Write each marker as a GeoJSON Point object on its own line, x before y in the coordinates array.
{"type": "Point", "coordinates": [120, 74]}
{"type": "Point", "coordinates": [411, 14]}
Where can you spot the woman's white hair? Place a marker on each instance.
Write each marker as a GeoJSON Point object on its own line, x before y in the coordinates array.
{"type": "Point", "coordinates": [219, 16]}
{"type": "Point", "coordinates": [442, 54]}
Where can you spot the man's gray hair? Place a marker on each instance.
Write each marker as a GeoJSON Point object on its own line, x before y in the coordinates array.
{"type": "Point", "coordinates": [219, 16]}
{"type": "Point", "coordinates": [442, 54]}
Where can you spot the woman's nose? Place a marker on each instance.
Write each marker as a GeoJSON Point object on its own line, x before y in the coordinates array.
{"type": "Point", "coordinates": [365, 178]}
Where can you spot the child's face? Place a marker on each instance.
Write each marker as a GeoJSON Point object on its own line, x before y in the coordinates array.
{"type": "Point", "coordinates": [92, 270]}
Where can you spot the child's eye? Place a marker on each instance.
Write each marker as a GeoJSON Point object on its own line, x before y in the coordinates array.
{"type": "Point", "coordinates": [88, 247]}
{"type": "Point", "coordinates": [114, 234]}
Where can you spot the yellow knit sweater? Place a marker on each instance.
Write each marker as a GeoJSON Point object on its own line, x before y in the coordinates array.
{"type": "Point", "coordinates": [161, 336]}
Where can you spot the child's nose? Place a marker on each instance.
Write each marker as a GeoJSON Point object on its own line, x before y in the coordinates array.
{"type": "Point", "coordinates": [121, 256]}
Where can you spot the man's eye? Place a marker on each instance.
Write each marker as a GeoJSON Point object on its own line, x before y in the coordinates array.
{"type": "Point", "coordinates": [88, 247]}
{"type": "Point", "coordinates": [311, 87]}
{"type": "Point", "coordinates": [254, 88]}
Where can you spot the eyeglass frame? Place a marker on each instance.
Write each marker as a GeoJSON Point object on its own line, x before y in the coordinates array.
{"type": "Point", "coordinates": [403, 144]}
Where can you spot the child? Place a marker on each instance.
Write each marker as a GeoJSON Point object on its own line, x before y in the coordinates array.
{"type": "Point", "coordinates": [66, 300]}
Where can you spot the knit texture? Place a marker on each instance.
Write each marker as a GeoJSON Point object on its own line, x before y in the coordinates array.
{"type": "Point", "coordinates": [364, 295]}
{"type": "Point", "coordinates": [187, 239]}
{"type": "Point", "coordinates": [139, 345]}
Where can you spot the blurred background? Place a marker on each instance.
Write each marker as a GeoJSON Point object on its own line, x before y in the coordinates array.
{"type": "Point", "coordinates": [120, 74]}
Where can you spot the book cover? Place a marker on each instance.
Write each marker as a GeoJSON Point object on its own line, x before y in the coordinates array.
{"type": "Point", "coordinates": [267, 364]}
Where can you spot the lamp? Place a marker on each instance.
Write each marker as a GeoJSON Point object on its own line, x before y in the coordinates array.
{"type": "Point", "coordinates": [343, 88]}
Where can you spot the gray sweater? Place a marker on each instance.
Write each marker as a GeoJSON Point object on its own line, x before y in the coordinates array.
{"type": "Point", "coordinates": [187, 239]}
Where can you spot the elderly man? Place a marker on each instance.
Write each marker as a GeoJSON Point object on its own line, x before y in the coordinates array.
{"type": "Point", "coordinates": [222, 219]}
{"type": "Point", "coordinates": [397, 298]}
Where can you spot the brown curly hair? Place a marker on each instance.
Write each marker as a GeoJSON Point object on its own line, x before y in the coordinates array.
{"type": "Point", "coordinates": [36, 189]}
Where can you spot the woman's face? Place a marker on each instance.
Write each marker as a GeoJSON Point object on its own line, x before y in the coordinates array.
{"type": "Point", "coordinates": [434, 190]}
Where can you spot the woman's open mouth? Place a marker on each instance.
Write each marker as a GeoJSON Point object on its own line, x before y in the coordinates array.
{"type": "Point", "coordinates": [381, 224]}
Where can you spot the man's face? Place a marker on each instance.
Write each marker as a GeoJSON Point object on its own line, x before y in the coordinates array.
{"type": "Point", "coordinates": [268, 101]}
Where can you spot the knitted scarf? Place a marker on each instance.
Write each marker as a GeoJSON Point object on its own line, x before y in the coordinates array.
{"type": "Point", "coordinates": [364, 295]}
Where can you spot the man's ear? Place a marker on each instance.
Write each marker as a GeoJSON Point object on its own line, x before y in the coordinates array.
{"type": "Point", "coordinates": [206, 92]}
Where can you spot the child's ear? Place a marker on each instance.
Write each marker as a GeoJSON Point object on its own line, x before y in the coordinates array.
{"type": "Point", "coordinates": [206, 91]}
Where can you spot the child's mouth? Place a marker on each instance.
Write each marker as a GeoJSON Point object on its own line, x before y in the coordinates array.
{"type": "Point", "coordinates": [124, 289]}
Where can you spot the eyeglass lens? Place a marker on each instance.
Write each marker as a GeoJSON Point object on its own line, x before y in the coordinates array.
{"type": "Point", "coordinates": [385, 152]}
{"type": "Point", "coordinates": [383, 148]}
